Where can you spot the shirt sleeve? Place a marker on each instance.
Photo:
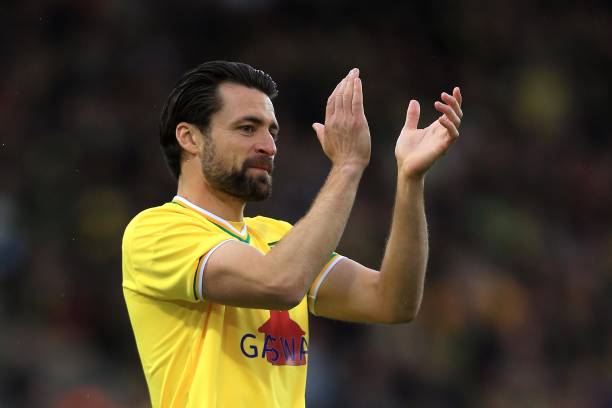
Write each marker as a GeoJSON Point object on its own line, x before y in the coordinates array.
{"type": "Point", "coordinates": [316, 284]}
{"type": "Point", "coordinates": [166, 260]}
{"type": "Point", "coordinates": [275, 230]}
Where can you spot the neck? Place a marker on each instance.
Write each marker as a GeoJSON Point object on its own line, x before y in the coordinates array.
{"type": "Point", "coordinates": [199, 192]}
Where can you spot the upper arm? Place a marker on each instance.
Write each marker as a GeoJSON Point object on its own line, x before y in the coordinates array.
{"type": "Point", "coordinates": [237, 275]}
{"type": "Point", "coordinates": [349, 292]}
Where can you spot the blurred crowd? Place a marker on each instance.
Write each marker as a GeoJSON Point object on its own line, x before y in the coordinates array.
{"type": "Point", "coordinates": [517, 309]}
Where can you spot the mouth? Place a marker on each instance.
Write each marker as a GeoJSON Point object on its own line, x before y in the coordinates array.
{"type": "Point", "coordinates": [267, 169]}
{"type": "Point", "coordinates": [261, 163]}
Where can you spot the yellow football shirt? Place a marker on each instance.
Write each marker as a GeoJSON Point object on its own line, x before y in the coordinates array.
{"type": "Point", "coordinates": [194, 352]}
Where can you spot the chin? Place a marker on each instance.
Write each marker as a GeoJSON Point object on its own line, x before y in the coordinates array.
{"type": "Point", "coordinates": [264, 192]}
{"type": "Point", "coordinates": [261, 191]}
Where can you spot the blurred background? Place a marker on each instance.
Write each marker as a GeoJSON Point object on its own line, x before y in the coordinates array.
{"type": "Point", "coordinates": [518, 303]}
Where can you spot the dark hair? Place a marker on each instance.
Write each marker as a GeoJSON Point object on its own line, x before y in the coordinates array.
{"type": "Point", "coordinates": [195, 98]}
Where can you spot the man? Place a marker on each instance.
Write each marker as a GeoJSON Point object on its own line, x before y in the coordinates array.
{"type": "Point", "coordinates": [219, 302]}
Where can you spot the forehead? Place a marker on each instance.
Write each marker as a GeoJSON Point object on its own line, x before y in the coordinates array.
{"type": "Point", "coordinates": [239, 100]}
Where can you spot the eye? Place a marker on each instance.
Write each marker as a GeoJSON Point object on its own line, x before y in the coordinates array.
{"type": "Point", "coordinates": [247, 128]}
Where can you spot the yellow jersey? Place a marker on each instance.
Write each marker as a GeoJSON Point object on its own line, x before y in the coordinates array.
{"type": "Point", "coordinates": [197, 353]}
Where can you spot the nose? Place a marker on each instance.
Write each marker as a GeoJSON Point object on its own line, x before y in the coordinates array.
{"type": "Point", "coordinates": [267, 146]}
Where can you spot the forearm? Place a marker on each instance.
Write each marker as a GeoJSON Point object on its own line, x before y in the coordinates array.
{"type": "Point", "coordinates": [402, 272]}
{"type": "Point", "coordinates": [302, 253]}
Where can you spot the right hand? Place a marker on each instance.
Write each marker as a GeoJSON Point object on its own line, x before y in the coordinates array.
{"type": "Point", "coordinates": [345, 137]}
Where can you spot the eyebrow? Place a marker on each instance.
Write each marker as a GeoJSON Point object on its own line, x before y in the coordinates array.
{"type": "Point", "coordinates": [257, 120]}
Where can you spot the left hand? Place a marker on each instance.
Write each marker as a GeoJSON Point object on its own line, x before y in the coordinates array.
{"type": "Point", "coordinates": [417, 149]}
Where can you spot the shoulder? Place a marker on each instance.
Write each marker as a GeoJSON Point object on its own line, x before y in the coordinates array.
{"type": "Point", "coordinates": [170, 218]}
{"type": "Point", "coordinates": [158, 217]}
{"type": "Point", "coordinates": [271, 228]}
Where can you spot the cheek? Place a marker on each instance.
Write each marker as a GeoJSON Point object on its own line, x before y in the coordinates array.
{"type": "Point", "coordinates": [237, 156]}
{"type": "Point", "coordinates": [218, 156]}
{"type": "Point", "coordinates": [231, 161]}
{"type": "Point", "coordinates": [231, 154]}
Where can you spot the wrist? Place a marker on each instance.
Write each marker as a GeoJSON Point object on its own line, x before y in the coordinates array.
{"type": "Point", "coordinates": [408, 175]}
{"type": "Point", "coordinates": [352, 169]}
{"type": "Point", "coordinates": [410, 185]}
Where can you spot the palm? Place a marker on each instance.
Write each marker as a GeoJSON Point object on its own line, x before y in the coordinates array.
{"type": "Point", "coordinates": [417, 149]}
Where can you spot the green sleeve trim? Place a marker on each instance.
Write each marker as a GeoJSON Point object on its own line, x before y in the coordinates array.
{"type": "Point", "coordinates": [195, 279]}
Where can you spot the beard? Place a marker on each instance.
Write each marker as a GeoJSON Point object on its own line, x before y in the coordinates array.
{"type": "Point", "coordinates": [236, 182]}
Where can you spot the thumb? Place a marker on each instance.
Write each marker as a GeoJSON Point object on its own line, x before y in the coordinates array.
{"type": "Point", "coordinates": [320, 131]}
{"type": "Point", "coordinates": [412, 115]}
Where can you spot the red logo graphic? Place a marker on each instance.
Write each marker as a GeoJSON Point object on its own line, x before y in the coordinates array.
{"type": "Point", "coordinates": [284, 343]}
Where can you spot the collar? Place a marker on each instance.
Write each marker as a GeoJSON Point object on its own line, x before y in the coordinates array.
{"type": "Point", "coordinates": [231, 228]}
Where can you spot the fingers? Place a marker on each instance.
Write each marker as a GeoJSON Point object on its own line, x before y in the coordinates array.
{"type": "Point", "coordinates": [451, 111]}
{"type": "Point", "coordinates": [450, 126]}
{"type": "Point", "coordinates": [341, 99]}
{"type": "Point", "coordinates": [349, 90]}
{"type": "Point", "coordinates": [331, 101]}
{"type": "Point", "coordinates": [357, 107]}
{"type": "Point", "coordinates": [320, 131]}
{"type": "Point", "coordinates": [457, 95]}
{"type": "Point", "coordinates": [448, 112]}
{"type": "Point", "coordinates": [453, 102]}
{"type": "Point", "coordinates": [413, 114]}
{"type": "Point", "coordinates": [337, 95]}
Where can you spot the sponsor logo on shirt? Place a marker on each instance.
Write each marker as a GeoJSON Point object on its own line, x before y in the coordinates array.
{"type": "Point", "coordinates": [284, 341]}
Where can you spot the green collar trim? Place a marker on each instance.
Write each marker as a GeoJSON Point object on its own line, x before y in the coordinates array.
{"type": "Point", "coordinates": [245, 240]}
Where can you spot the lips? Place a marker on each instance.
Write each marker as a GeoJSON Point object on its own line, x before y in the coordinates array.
{"type": "Point", "coordinates": [266, 168]}
{"type": "Point", "coordinates": [261, 162]}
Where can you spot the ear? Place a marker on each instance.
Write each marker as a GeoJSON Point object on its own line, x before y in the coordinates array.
{"type": "Point", "coordinates": [188, 137]}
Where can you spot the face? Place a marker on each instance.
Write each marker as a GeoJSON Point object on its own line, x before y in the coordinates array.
{"type": "Point", "coordinates": [239, 146]}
